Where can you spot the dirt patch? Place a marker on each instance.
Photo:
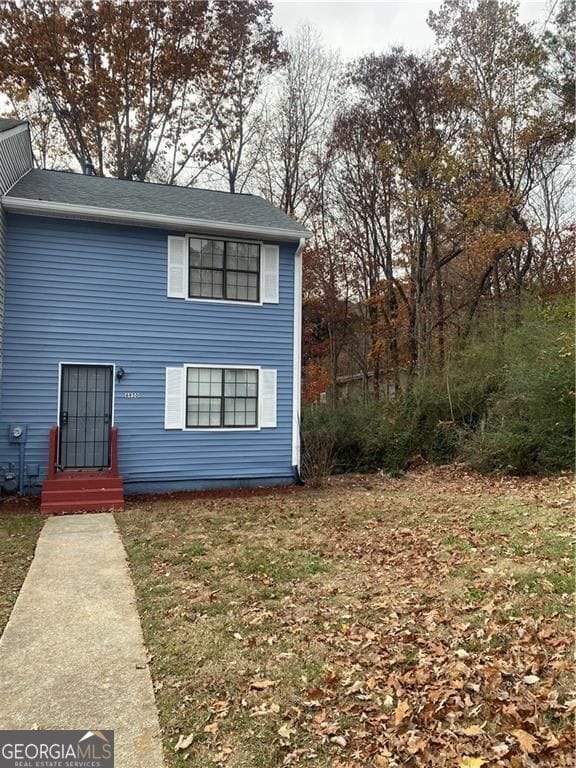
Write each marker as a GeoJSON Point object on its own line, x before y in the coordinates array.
{"type": "Point", "coordinates": [19, 505]}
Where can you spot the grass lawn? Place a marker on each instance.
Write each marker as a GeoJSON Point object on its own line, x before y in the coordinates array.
{"type": "Point", "coordinates": [418, 621]}
{"type": "Point", "coordinates": [19, 532]}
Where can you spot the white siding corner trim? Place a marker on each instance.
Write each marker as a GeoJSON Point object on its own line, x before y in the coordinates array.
{"type": "Point", "coordinates": [270, 267]}
{"type": "Point", "coordinates": [297, 361]}
{"type": "Point", "coordinates": [268, 398]}
{"type": "Point", "coordinates": [177, 267]}
{"type": "Point", "coordinates": [175, 398]}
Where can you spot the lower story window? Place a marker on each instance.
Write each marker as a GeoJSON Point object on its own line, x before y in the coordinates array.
{"type": "Point", "coordinates": [222, 397]}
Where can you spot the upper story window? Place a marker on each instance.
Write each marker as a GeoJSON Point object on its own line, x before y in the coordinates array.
{"type": "Point", "coordinates": [221, 269]}
{"type": "Point", "coordinates": [227, 271]}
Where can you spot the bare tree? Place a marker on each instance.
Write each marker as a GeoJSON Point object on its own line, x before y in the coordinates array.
{"type": "Point", "coordinates": [253, 54]}
{"type": "Point", "coordinates": [302, 102]}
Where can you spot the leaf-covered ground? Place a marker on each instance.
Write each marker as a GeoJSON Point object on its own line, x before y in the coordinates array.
{"type": "Point", "coordinates": [19, 532]}
{"type": "Point", "coordinates": [420, 621]}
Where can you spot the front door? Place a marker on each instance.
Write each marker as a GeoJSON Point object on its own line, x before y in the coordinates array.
{"type": "Point", "coordinates": [85, 416]}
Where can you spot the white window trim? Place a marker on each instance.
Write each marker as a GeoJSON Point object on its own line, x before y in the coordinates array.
{"type": "Point", "coordinates": [242, 303]}
{"type": "Point", "coordinates": [221, 366]}
{"type": "Point", "coordinates": [228, 301]}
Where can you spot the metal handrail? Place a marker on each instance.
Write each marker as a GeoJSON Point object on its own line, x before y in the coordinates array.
{"type": "Point", "coordinates": [53, 451]}
{"type": "Point", "coordinates": [114, 451]}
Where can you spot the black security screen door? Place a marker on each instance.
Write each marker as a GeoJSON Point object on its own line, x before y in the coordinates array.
{"type": "Point", "coordinates": [85, 416]}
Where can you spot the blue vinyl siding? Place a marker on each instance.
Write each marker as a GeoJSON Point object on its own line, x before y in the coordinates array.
{"type": "Point", "coordinates": [86, 292]}
{"type": "Point", "coordinates": [15, 162]}
{"type": "Point", "coordinates": [2, 278]}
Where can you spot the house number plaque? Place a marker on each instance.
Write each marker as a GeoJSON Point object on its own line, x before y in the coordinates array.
{"type": "Point", "coordinates": [132, 395]}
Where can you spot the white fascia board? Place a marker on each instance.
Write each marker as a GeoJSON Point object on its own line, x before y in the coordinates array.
{"type": "Point", "coordinates": [93, 213]}
{"type": "Point", "coordinates": [12, 131]}
{"type": "Point", "coordinates": [297, 360]}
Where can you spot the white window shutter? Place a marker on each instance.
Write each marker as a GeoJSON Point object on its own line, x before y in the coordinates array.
{"type": "Point", "coordinates": [174, 405]}
{"type": "Point", "coordinates": [270, 274]}
{"type": "Point", "coordinates": [268, 398]}
{"type": "Point", "coordinates": [177, 268]}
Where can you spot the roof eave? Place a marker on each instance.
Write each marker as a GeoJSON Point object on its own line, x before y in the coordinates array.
{"type": "Point", "coordinates": [20, 127]}
{"type": "Point", "coordinates": [140, 218]}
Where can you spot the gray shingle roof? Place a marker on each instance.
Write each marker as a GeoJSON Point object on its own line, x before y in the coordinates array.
{"type": "Point", "coordinates": [7, 123]}
{"type": "Point", "coordinates": [156, 199]}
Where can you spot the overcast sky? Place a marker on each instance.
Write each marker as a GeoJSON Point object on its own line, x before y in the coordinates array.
{"type": "Point", "coordinates": [356, 26]}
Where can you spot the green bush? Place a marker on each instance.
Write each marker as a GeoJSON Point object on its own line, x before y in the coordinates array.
{"type": "Point", "coordinates": [504, 402]}
{"type": "Point", "coordinates": [355, 432]}
{"type": "Point", "coordinates": [529, 426]}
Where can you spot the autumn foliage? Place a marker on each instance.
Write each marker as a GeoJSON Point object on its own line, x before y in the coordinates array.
{"type": "Point", "coordinates": [444, 196]}
{"type": "Point", "coordinates": [138, 90]}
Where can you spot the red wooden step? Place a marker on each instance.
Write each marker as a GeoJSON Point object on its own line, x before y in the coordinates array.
{"type": "Point", "coordinates": [94, 494]}
{"type": "Point", "coordinates": [85, 473]}
{"type": "Point", "coordinates": [70, 492]}
{"type": "Point", "coordinates": [71, 507]}
{"type": "Point", "coordinates": [65, 482]}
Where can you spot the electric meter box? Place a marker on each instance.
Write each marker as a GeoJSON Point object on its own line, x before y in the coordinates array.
{"type": "Point", "coordinates": [17, 433]}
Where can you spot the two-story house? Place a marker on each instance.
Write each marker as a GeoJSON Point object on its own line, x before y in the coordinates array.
{"type": "Point", "coordinates": [150, 336]}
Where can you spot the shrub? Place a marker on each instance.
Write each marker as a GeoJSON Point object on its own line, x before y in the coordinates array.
{"type": "Point", "coordinates": [529, 427]}
{"type": "Point", "coordinates": [503, 403]}
{"type": "Point", "coordinates": [351, 427]}
{"type": "Point", "coordinates": [317, 460]}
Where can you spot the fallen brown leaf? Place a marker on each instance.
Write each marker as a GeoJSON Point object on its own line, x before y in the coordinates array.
{"type": "Point", "coordinates": [472, 762]}
{"type": "Point", "coordinates": [184, 742]}
{"type": "Point", "coordinates": [401, 711]}
{"type": "Point", "coordinates": [285, 732]}
{"type": "Point", "coordinates": [526, 740]}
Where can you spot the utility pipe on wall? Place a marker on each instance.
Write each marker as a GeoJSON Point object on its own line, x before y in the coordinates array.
{"type": "Point", "coordinates": [21, 467]}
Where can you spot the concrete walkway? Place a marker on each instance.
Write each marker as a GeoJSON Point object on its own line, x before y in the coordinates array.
{"type": "Point", "coordinates": [72, 655]}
